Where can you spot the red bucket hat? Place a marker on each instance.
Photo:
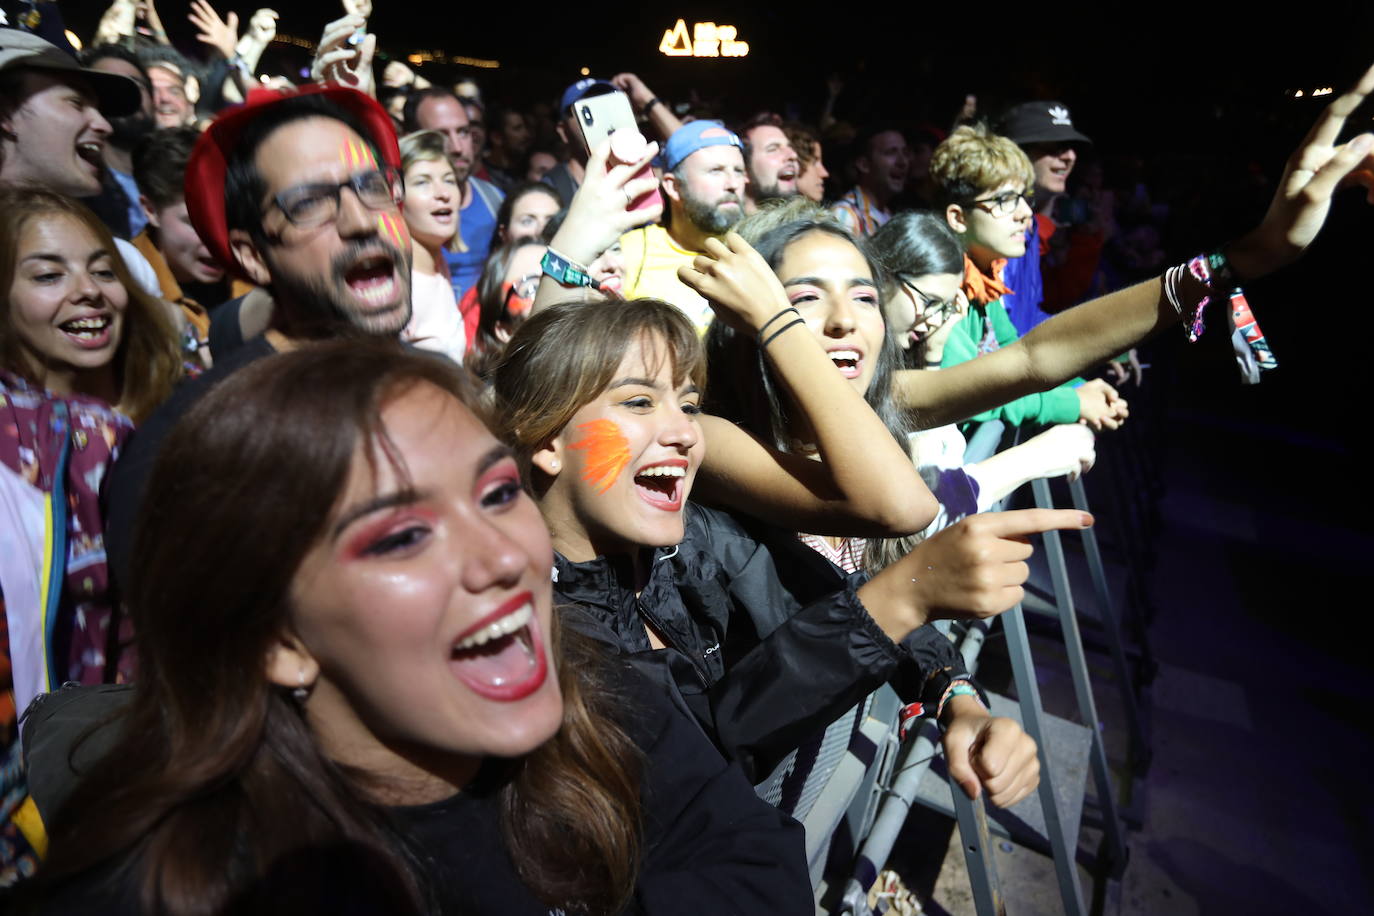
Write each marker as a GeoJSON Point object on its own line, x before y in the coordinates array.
{"type": "Point", "coordinates": [210, 157]}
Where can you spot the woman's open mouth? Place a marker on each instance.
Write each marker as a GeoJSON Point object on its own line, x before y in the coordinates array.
{"type": "Point", "coordinates": [849, 362]}
{"type": "Point", "coordinates": [89, 333]}
{"type": "Point", "coordinates": [661, 485]}
{"type": "Point", "coordinates": [502, 658]}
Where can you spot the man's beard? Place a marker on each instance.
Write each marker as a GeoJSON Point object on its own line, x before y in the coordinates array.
{"type": "Point", "coordinates": [761, 192]}
{"type": "Point", "coordinates": [461, 168]}
{"type": "Point", "coordinates": [324, 306]}
{"type": "Point", "coordinates": [710, 218]}
{"type": "Point", "coordinates": [128, 131]}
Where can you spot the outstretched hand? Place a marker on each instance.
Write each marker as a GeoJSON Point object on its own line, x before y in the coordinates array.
{"type": "Point", "coordinates": [220, 34]}
{"type": "Point", "coordinates": [743, 290]}
{"type": "Point", "coordinates": [975, 568]}
{"type": "Point", "coordinates": [1313, 173]}
{"type": "Point", "coordinates": [988, 752]}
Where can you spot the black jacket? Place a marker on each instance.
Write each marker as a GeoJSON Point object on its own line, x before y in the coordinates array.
{"type": "Point", "coordinates": [710, 845]}
{"type": "Point", "coordinates": [767, 641]}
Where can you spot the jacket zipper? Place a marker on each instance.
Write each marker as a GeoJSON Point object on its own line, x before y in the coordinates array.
{"type": "Point", "coordinates": [653, 621]}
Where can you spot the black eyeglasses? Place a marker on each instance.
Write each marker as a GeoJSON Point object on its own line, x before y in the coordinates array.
{"type": "Point", "coordinates": [1003, 204]}
{"type": "Point", "coordinates": [311, 205]}
{"type": "Point", "coordinates": [934, 311]}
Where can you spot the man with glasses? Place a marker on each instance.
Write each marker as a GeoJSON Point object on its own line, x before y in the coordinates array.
{"type": "Point", "coordinates": [299, 194]}
{"type": "Point", "coordinates": [881, 162]}
{"type": "Point", "coordinates": [982, 183]}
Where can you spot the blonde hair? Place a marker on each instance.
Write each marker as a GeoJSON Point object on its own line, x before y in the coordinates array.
{"type": "Point", "coordinates": [974, 160]}
{"type": "Point", "coordinates": [428, 146]}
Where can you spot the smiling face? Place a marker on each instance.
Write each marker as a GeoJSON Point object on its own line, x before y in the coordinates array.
{"type": "Point", "coordinates": [171, 107]}
{"type": "Point", "coordinates": [431, 202]}
{"type": "Point", "coordinates": [353, 269]}
{"type": "Point", "coordinates": [884, 169]}
{"type": "Point", "coordinates": [66, 305]}
{"type": "Point", "coordinates": [179, 243]}
{"type": "Point", "coordinates": [773, 166]}
{"type": "Point", "coordinates": [1052, 163]}
{"type": "Point", "coordinates": [530, 215]}
{"type": "Point", "coordinates": [55, 137]}
{"type": "Point", "coordinates": [425, 608]}
{"type": "Point", "coordinates": [623, 466]}
{"type": "Point", "coordinates": [829, 282]}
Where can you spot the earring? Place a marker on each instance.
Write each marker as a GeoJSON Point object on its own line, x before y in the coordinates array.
{"type": "Point", "coordinates": [301, 693]}
{"type": "Point", "coordinates": [553, 463]}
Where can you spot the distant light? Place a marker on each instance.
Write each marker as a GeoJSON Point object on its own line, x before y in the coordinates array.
{"type": "Point", "coordinates": [305, 73]}
{"type": "Point", "coordinates": [265, 78]}
{"type": "Point", "coordinates": [1326, 90]}
{"type": "Point", "coordinates": [1298, 94]}
{"type": "Point", "coordinates": [586, 72]}
{"type": "Point", "coordinates": [71, 36]}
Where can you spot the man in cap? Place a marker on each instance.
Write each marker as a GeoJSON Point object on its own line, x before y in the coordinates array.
{"type": "Point", "coordinates": [1045, 131]}
{"type": "Point", "coordinates": [703, 186]}
{"type": "Point", "coordinates": [298, 193]}
{"type": "Point", "coordinates": [53, 127]}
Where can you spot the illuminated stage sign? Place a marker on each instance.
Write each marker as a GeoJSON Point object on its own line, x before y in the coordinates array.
{"type": "Point", "coordinates": [707, 40]}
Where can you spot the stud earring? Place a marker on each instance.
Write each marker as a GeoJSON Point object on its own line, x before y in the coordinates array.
{"type": "Point", "coordinates": [553, 463]}
{"type": "Point", "coordinates": [301, 693]}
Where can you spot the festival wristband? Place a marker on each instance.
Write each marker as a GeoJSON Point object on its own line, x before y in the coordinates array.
{"type": "Point", "coordinates": [958, 689]}
{"type": "Point", "coordinates": [566, 271]}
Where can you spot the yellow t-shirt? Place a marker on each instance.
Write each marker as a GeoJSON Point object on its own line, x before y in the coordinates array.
{"type": "Point", "coordinates": [651, 262]}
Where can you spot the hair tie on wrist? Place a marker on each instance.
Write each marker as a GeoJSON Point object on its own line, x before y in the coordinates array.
{"type": "Point", "coordinates": [781, 312]}
{"type": "Point", "coordinates": [780, 331]}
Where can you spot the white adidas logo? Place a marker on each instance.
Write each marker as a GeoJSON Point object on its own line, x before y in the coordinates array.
{"type": "Point", "coordinates": [1060, 115]}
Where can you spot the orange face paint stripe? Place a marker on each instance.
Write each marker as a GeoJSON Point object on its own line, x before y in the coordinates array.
{"type": "Point", "coordinates": [608, 451]}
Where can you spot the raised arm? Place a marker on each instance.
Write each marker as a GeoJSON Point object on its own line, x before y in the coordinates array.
{"type": "Point", "coordinates": [1081, 337]}
{"type": "Point", "coordinates": [647, 104]}
{"type": "Point", "coordinates": [864, 483]}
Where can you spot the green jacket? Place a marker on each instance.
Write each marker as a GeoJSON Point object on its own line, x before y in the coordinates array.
{"type": "Point", "coordinates": [1058, 405]}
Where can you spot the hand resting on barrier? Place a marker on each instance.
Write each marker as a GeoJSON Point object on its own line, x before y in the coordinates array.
{"type": "Point", "coordinates": [989, 752]}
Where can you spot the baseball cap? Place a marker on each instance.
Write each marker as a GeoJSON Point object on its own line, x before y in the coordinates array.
{"type": "Point", "coordinates": [115, 95]}
{"type": "Point", "coordinates": [583, 88]}
{"type": "Point", "coordinates": [1040, 122]}
{"type": "Point", "coordinates": [695, 135]}
{"type": "Point", "coordinates": [210, 157]}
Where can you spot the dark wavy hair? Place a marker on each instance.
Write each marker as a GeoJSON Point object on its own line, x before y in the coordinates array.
{"type": "Point", "coordinates": [217, 785]}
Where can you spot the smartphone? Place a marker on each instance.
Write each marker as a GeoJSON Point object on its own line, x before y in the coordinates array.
{"type": "Point", "coordinates": [600, 116]}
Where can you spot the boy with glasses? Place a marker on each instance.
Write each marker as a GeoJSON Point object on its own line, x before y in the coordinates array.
{"type": "Point", "coordinates": [983, 185]}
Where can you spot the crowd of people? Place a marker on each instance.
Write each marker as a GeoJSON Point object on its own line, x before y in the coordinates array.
{"type": "Point", "coordinates": [354, 462]}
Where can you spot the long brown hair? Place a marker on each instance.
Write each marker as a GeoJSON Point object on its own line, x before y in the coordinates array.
{"type": "Point", "coordinates": [147, 362]}
{"type": "Point", "coordinates": [567, 354]}
{"type": "Point", "coordinates": [210, 750]}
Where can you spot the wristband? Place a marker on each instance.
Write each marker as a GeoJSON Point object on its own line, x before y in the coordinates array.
{"type": "Point", "coordinates": [566, 271]}
{"type": "Point", "coordinates": [764, 327]}
{"type": "Point", "coordinates": [651, 103]}
{"type": "Point", "coordinates": [782, 330]}
{"type": "Point", "coordinates": [958, 689]}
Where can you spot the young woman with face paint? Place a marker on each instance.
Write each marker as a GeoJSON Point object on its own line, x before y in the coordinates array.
{"type": "Point", "coordinates": [390, 719]}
